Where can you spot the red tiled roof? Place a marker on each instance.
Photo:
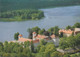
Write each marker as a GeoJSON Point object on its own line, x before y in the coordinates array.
{"type": "Point", "coordinates": [66, 31]}
{"type": "Point", "coordinates": [36, 41]}
{"type": "Point", "coordinates": [24, 39]}
{"type": "Point", "coordinates": [52, 36]}
{"type": "Point", "coordinates": [20, 35]}
{"type": "Point", "coordinates": [34, 33]}
{"type": "Point", "coordinates": [41, 36]}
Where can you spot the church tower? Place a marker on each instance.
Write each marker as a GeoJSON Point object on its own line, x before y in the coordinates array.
{"type": "Point", "coordinates": [34, 35]}
{"type": "Point", "coordinates": [20, 36]}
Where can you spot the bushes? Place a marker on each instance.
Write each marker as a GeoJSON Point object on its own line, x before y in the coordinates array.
{"type": "Point", "coordinates": [15, 49]}
{"type": "Point", "coordinates": [69, 42]}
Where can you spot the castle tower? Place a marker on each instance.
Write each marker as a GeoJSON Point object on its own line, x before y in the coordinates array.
{"type": "Point", "coordinates": [20, 36]}
{"type": "Point", "coordinates": [34, 35]}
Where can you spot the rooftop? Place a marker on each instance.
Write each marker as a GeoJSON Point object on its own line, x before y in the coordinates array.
{"type": "Point", "coordinates": [52, 36]}
{"type": "Point", "coordinates": [66, 31]}
{"type": "Point", "coordinates": [77, 29]}
{"type": "Point", "coordinates": [41, 36]}
{"type": "Point", "coordinates": [24, 39]}
{"type": "Point", "coordinates": [20, 35]}
{"type": "Point", "coordinates": [34, 33]}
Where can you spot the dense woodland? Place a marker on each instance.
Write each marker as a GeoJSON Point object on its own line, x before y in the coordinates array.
{"type": "Point", "coordinates": [70, 42]}
{"type": "Point", "coordinates": [18, 15]}
{"type": "Point", "coordinates": [12, 10]}
{"type": "Point", "coordinates": [44, 49]}
{"type": "Point", "coordinates": [6, 5]}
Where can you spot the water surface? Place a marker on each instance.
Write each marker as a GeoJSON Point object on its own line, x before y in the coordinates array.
{"type": "Point", "coordinates": [60, 16]}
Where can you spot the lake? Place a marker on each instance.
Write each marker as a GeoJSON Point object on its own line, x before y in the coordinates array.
{"type": "Point", "coordinates": [59, 16]}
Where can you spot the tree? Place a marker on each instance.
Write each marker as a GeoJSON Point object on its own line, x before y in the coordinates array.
{"type": "Point", "coordinates": [1, 53]}
{"type": "Point", "coordinates": [19, 49]}
{"type": "Point", "coordinates": [55, 54]}
{"type": "Point", "coordinates": [63, 43]}
{"type": "Point", "coordinates": [42, 48]}
{"type": "Point", "coordinates": [61, 34]}
{"type": "Point", "coordinates": [26, 44]}
{"type": "Point", "coordinates": [66, 55]}
{"type": "Point", "coordinates": [56, 30]}
{"type": "Point", "coordinates": [49, 49]}
{"type": "Point", "coordinates": [30, 33]}
{"type": "Point", "coordinates": [46, 33]}
{"type": "Point", "coordinates": [5, 46]}
{"type": "Point", "coordinates": [69, 42]}
{"type": "Point", "coordinates": [23, 14]}
{"type": "Point", "coordinates": [1, 46]}
{"type": "Point", "coordinates": [31, 30]}
{"type": "Point", "coordinates": [16, 36]}
{"type": "Point", "coordinates": [73, 55]}
{"type": "Point", "coordinates": [43, 42]}
{"type": "Point", "coordinates": [51, 30]}
{"type": "Point", "coordinates": [41, 31]}
{"type": "Point", "coordinates": [36, 29]}
{"type": "Point", "coordinates": [27, 52]}
{"type": "Point", "coordinates": [77, 25]}
{"type": "Point", "coordinates": [6, 55]}
{"type": "Point", "coordinates": [68, 27]}
{"type": "Point", "coordinates": [32, 46]}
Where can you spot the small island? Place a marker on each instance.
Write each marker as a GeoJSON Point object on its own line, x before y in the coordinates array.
{"type": "Point", "coordinates": [21, 15]}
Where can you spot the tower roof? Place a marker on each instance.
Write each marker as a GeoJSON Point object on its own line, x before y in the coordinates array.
{"type": "Point", "coordinates": [34, 33]}
{"type": "Point", "coordinates": [20, 35]}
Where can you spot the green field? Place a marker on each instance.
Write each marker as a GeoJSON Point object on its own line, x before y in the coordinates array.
{"type": "Point", "coordinates": [6, 5]}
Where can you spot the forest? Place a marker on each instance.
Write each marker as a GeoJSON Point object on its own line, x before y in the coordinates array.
{"type": "Point", "coordinates": [7, 5]}
{"type": "Point", "coordinates": [44, 49]}
{"type": "Point", "coordinates": [19, 15]}
{"type": "Point", "coordinates": [14, 10]}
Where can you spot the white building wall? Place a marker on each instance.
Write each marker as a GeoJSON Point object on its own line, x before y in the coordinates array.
{"type": "Point", "coordinates": [56, 41]}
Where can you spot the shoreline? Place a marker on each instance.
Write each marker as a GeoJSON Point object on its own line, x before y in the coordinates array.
{"type": "Point", "coordinates": [20, 20]}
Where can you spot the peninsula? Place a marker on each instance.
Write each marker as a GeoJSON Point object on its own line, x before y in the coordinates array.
{"type": "Point", "coordinates": [21, 15]}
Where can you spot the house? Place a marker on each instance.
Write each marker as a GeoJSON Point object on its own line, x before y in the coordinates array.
{"type": "Point", "coordinates": [24, 39]}
{"type": "Point", "coordinates": [36, 39]}
{"type": "Point", "coordinates": [20, 36]}
{"type": "Point", "coordinates": [55, 40]}
{"type": "Point", "coordinates": [52, 38]}
{"type": "Point", "coordinates": [76, 31]}
{"type": "Point", "coordinates": [66, 33]}
{"type": "Point", "coordinates": [35, 36]}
